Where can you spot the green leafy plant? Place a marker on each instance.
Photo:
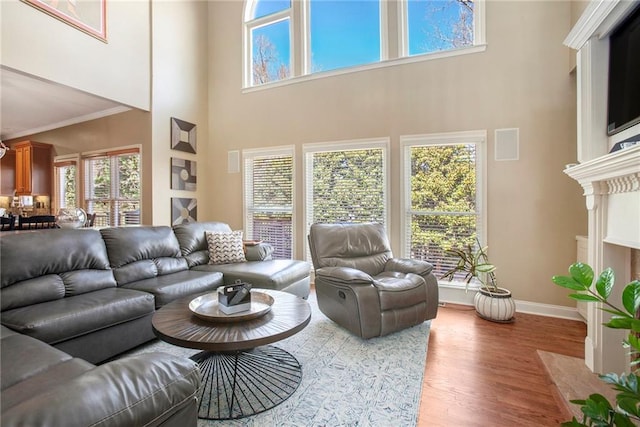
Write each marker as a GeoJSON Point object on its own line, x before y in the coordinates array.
{"type": "Point", "coordinates": [473, 262]}
{"type": "Point", "coordinates": [596, 408]}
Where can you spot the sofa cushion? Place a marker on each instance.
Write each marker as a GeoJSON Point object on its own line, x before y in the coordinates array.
{"type": "Point", "coordinates": [23, 357]}
{"type": "Point", "coordinates": [50, 252]}
{"type": "Point", "coordinates": [225, 247]}
{"type": "Point", "coordinates": [193, 242]}
{"type": "Point", "coordinates": [173, 286]}
{"type": "Point", "coordinates": [138, 253]}
{"type": "Point", "coordinates": [274, 274]}
{"type": "Point", "coordinates": [66, 318]}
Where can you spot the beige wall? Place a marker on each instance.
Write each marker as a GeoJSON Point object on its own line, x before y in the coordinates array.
{"type": "Point", "coordinates": [180, 79]}
{"type": "Point", "coordinates": [522, 80]}
{"type": "Point", "coordinates": [38, 44]}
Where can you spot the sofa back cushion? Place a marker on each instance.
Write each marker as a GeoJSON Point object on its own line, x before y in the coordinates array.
{"type": "Point", "coordinates": [45, 265]}
{"type": "Point", "coordinates": [364, 247]}
{"type": "Point", "coordinates": [137, 253]}
{"type": "Point", "coordinates": [193, 242]}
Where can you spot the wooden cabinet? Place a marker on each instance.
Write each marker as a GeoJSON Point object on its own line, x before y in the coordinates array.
{"type": "Point", "coordinates": [8, 173]}
{"type": "Point", "coordinates": [33, 168]}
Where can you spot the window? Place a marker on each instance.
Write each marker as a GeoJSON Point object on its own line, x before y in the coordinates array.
{"type": "Point", "coordinates": [346, 182]}
{"type": "Point", "coordinates": [66, 191]}
{"type": "Point", "coordinates": [343, 33]}
{"type": "Point", "coordinates": [436, 25]}
{"type": "Point", "coordinates": [330, 35]}
{"type": "Point", "coordinates": [268, 195]}
{"type": "Point", "coordinates": [268, 30]}
{"type": "Point", "coordinates": [443, 195]}
{"type": "Point", "coordinates": [112, 187]}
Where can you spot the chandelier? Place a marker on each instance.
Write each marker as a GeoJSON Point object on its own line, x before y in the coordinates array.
{"type": "Point", "coordinates": [3, 149]}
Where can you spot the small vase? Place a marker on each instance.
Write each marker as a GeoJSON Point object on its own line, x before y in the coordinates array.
{"type": "Point", "coordinates": [497, 306]}
{"type": "Point", "coordinates": [71, 218]}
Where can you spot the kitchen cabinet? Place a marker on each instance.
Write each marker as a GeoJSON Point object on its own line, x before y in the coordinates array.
{"type": "Point", "coordinates": [33, 168]}
{"type": "Point", "coordinates": [8, 173]}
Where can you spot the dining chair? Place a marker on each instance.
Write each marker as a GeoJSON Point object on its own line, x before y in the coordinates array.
{"type": "Point", "coordinates": [36, 222]}
{"type": "Point", "coordinates": [7, 223]}
{"type": "Point", "coordinates": [91, 219]}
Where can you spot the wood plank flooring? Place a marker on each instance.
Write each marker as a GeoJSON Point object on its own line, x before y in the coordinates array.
{"type": "Point", "coordinates": [485, 374]}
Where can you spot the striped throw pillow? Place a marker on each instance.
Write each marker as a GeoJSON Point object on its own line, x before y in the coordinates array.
{"type": "Point", "coordinates": [225, 247]}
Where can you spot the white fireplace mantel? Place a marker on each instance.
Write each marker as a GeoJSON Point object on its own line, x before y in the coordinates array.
{"type": "Point", "coordinates": [611, 181]}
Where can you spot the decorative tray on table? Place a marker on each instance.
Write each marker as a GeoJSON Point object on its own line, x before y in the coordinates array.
{"type": "Point", "coordinates": [207, 307]}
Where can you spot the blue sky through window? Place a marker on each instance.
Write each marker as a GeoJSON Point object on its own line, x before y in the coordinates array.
{"type": "Point", "coordinates": [346, 33]}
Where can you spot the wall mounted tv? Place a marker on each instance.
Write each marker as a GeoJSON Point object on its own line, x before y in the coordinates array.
{"type": "Point", "coordinates": [624, 75]}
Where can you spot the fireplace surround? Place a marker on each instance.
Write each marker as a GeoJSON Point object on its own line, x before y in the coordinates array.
{"type": "Point", "coordinates": [610, 180]}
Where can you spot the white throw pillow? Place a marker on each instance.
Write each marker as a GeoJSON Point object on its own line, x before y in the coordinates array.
{"type": "Point", "coordinates": [225, 247]}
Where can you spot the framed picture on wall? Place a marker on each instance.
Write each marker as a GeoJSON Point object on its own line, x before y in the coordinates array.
{"type": "Point", "coordinates": [183, 136]}
{"type": "Point", "coordinates": [183, 174]}
{"type": "Point", "coordinates": [183, 210]}
{"type": "Point", "coordinates": [89, 16]}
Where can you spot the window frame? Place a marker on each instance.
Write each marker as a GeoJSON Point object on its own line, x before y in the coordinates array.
{"type": "Point", "coordinates": [477, 137]}
{"type": "Point", "coordinates": [64, 161]}
{"type": "Point", "coordinates": [247, 156]}
{"type": "Point", "coordinates": [348, 145]}
{"type": "Point", "coordinates": [110, 153]}
{"type": "Point", "coordinates": [391, 54]}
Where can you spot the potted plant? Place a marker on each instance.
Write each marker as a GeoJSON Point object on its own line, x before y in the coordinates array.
{"type": "Point", "coordinates": [491, 301]}
{"type": "Point", "coordinates": [596, 409]}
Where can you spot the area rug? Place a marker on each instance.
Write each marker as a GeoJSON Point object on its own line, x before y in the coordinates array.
{"type": "Point", "coordinates": [346, 381]}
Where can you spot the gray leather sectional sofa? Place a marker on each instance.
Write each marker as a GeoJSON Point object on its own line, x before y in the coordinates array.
{"type": "Point", "coordinates": [70, 299]}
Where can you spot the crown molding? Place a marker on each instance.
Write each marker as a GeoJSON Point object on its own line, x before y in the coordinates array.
{"type": "Point", "coordinates": [598, 19]}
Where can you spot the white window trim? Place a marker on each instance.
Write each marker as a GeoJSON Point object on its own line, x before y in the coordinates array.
{"type": "Point", "coordinates": [79, 188]}
{"type": "Point", "coordinates": [479, 137]}
{"type": "Point", "coordinates": [354, 144]}
{"type": "Point", "coordinates": [278, 151]}
{"type": "Point", "coordinates": [88, 154]}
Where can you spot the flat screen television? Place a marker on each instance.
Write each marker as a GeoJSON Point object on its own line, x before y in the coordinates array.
{"type": "Point", "coordinates": [624, 75]}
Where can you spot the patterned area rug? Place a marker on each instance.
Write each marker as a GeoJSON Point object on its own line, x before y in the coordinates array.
{"type": "Point", "coordinates": [346, 381]}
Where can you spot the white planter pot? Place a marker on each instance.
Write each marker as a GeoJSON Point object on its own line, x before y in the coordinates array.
{"type": "Point", "coordinates": [497, 306]}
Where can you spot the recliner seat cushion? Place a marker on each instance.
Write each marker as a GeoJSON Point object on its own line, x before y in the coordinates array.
{"type": "Point", "coordinates": [399, 290]}
{"type": "Point", "coordinates": [66, 318]}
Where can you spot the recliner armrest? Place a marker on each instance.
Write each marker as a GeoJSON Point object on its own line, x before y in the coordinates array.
{"type": "Point", "coordinates": [259, 252]}
{"type": "Point", "coordinates": [344, 275]}
{"type": "Point", "coordinates": [408, 265]}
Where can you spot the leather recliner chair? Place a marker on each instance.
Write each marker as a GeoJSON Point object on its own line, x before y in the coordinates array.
{"type": "Point", "coordinates": [361, 287]}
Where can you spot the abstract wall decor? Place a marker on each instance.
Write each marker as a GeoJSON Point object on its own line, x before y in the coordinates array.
{"type": "Point", "coordinates": [183, 174]}
{"type": "Point", "coordinates": [183, 210]}
{"type": "Point", "coordinates": [183, 135]}
{"type": "Point", "coordinates": [86, 15]}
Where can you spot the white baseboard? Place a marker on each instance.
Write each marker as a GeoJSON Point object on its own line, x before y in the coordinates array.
{"type": "Point", "coordinates": [455, 295]}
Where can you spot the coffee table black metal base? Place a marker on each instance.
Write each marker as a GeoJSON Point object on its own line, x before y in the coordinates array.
{"type": "Point", "coordinates": [238, 384]}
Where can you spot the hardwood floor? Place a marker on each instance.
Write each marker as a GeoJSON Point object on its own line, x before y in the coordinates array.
{"type": "Point", "coordinates": [485, 374]}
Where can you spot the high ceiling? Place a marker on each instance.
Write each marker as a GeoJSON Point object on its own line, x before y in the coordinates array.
{"type": "Point", "coordinates": [30, 105]}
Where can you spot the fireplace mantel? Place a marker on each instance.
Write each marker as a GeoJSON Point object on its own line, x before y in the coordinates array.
{"type": "Point", "coordinates": [617, 172]}
{"type": "Point", "coordinates": [611, 181]}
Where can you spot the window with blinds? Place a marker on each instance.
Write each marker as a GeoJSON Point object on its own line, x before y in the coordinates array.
{"type": "Point", "coordinates": [268, 198]}
{"type": "Point", "coordinates": [443, 195]}
{"type": "Point", "coordinates": [112, 187]}
{"type": "Point", "coordinates": [66, 191]}
{"type": "Point", "coordinates": [346, 182]}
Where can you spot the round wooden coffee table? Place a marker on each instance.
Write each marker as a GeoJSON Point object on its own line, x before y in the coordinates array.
{"type": "Point", "coordinates": [242, 374]}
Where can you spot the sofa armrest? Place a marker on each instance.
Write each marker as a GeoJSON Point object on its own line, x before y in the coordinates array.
{"type": "Point", "coordinates": [343, 276]}
{"type": "Point", "coordinates": [258, 252]}
{"type": "Point", "coordinates": [408, 265]}
{"type": "Point", "coordinates": [140, 390]}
